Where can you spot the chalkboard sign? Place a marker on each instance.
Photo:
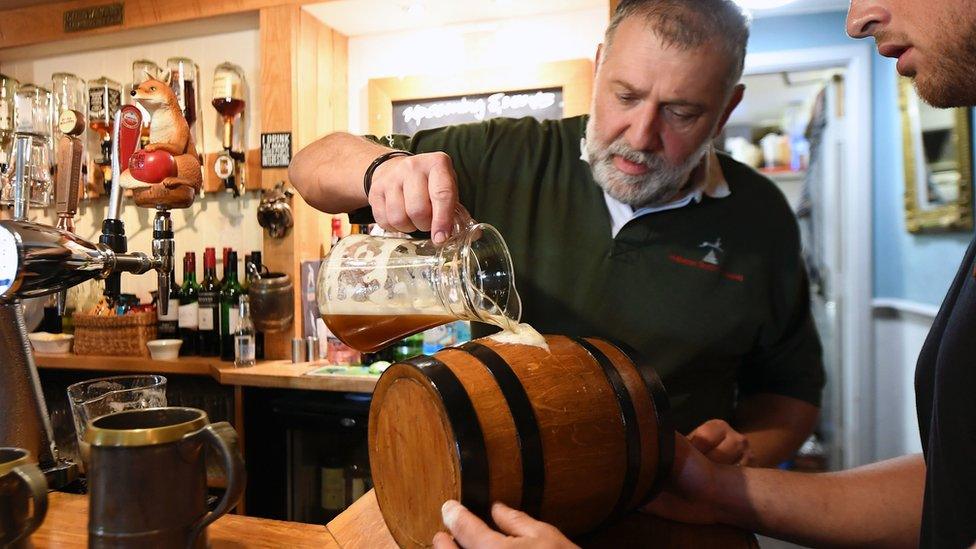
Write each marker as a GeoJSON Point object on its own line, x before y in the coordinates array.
{"type": "Point", "coordinates": [409, 117]}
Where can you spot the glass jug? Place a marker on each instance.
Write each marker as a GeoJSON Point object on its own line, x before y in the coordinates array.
{"type": "Point", "coordinates": [375, 290]}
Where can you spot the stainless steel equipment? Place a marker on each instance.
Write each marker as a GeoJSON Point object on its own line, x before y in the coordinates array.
{"type": "Point", "coordinates": [37, 260]}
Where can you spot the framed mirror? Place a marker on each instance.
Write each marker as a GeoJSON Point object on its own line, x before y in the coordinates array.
{"type": "Point", "coordinates": [938, 164]}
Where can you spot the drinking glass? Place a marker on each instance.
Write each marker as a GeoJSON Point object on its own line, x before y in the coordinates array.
{"type": "Point", "coordinates": [95, 398]}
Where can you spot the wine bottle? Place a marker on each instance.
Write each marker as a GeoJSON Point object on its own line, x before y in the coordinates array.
{"type": "Point", "coordinates": [209, 311]}
{"type": "Point", "coordinates": [254, 258]}
{"type": "Point", "coordinates": [189, 307]}
{"type": "Point", "coordinates": [230, 294]}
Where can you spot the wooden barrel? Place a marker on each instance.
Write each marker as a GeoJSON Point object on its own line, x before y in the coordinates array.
{"type": "Point", "coordinates": [575, 436]}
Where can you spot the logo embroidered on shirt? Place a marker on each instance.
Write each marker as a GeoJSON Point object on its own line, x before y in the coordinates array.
{"type": "Point", "coordinates": [714, 248]}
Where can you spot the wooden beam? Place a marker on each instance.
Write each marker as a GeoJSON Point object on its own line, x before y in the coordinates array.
{"type": "Point", "coordinates": [45, 22]}
{"type": "Point", "coordinates": [304, 91]}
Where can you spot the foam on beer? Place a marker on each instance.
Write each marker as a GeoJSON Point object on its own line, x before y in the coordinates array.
{"type": "Point", "coordinates": [520, 334]}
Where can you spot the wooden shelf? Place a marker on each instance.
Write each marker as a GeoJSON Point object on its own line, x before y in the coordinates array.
{"type": "Point", "coordinates": [183, 365]}
{"type": "Point", "coordinates": [281, 374]}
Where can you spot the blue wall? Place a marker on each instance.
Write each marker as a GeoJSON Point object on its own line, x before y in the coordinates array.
{"type": "Point", "coordinates": [916, 268]}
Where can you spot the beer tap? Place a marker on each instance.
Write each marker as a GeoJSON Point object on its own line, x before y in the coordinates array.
{"type": "Point", "coordinates": [126, 130]}
{"type": "Point", "coordinates": [72, 124]}
{"type": "Point", "coordinates": [38, 260]}
{"type": "Point", "coordinates": [164, 247]}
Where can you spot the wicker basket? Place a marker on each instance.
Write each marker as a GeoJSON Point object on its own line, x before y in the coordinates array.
{"type": "Point", "coordinates": [124, 335]}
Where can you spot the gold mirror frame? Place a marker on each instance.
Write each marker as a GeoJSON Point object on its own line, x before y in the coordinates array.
{"type": "Point", "coordinates": [957, 216]}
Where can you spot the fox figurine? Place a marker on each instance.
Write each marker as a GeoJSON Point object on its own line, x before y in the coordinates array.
{"type": "Point", "coordinates": [169, 132]}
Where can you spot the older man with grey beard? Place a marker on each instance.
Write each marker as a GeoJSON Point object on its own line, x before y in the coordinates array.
{"type": "Point", "coordinates": [926, 500]}
{"type": "Point", "coordinates": [627, 224]}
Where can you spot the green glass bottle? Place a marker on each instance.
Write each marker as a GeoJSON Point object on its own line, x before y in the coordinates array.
{"type": "Point", "coordinates": [230, 294]}
{"type": "Point", "coordinates": [189, 307]}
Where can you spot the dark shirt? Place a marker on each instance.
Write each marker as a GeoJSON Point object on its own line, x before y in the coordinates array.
{"type": "Point", "coordinates": [716, 322]}
{"type": "Point", "coordinates": [945, 395]}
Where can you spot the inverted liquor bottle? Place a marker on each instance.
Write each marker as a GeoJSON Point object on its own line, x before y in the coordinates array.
{"type": "Point", "coordinates": [32, 110]}
{"type": "Point", "coordinates": [228, 97]}
{"type": "Point", "coordinates": [230, 294]}
{"type": "Point", "coordinates": [189, 310]}
{"type": "Point", "coordinates": [104, 100]}
{"type": "Point", "coordinates": [209, 307]}
{"type": "Point", "coordinates": [142, 70]}
{"type": "Point", "coordinates": [8, 88]}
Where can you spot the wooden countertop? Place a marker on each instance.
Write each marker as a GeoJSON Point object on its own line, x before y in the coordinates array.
{"type": "Point", "coordinates": [271, 373]}
{"type": "Point", "coordinates": [284, 374]}
{"type": "Point", "coordinates": [66, 526]}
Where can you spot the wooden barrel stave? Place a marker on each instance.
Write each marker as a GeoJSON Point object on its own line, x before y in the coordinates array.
{"type": "Point", "coordinates": [582, 439]}
{"type": "Point", "coordinates": [580, 430]}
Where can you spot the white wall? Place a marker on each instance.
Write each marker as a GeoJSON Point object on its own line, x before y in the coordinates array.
{"type": "Point", "coordinates": [900, 329]}
{"type": "Point", "coordinates": [454, 49]}
{"type": "Point", "coordinates": [216, 220]}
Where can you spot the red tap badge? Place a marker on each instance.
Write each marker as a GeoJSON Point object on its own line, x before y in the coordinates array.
{"type": "Point", "coordinates": [131, 118]}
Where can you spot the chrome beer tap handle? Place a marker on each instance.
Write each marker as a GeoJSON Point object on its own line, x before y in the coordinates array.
{"type": "Point", "coordinates": [163, 251]}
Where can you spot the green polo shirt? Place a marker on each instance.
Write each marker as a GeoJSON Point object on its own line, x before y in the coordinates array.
{"type": "Point", "coordinates": [715, 323]}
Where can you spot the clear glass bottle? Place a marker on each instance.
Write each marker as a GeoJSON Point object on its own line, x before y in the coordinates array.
{"type": "Point", "coordinates": [33, 109]}
{"type": "Point", "coordinates": [184, 79]}
{"type": "Point", "coordinates": [244, 341]}
{"type": "Point", "coordinates": [229, 98]}
{"type": "Point", "coordinates": [142, 70]}
{"type": "Point", "coordinates": [8, 89]}
{"type": "Point", "coordinates": [69, 93]}
{"type": "Point", "coordinates": [104, 100]}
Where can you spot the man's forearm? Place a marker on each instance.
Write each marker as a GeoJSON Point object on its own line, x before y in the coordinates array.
{"type": "Point", "coordinates": [875, 505]}
{"type": "Point", "coordinates": [329, 172]}
{"type": "Point", "coordinates": [775, 425]}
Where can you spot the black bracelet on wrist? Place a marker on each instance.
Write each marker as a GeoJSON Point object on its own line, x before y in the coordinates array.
{"type": "Point", "coordinates": [368, 178]}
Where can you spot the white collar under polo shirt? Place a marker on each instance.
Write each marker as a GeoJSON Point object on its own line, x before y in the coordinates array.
{"type": "Point", "coordinates": [710, 182]}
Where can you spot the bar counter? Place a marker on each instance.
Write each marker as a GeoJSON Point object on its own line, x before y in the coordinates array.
{"type": "Point", "coordinates": [361, 526]}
